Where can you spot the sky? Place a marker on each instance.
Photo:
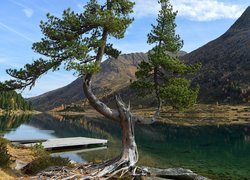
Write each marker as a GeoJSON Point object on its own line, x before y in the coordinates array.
{"type": "Point", "coordinates": [198, 22]}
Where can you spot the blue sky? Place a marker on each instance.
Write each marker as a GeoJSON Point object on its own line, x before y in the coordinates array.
{"type": "Point", "coordinates": [198, 22]}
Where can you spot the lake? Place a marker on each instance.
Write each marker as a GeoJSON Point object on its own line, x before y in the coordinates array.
{"type": "Point", "coordinates": [218, 152]}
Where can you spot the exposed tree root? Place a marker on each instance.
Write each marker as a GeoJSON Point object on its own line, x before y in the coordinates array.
{"type": "Point", "coordinates": [115, 168]}
{"type": "Point", "coordinates": [123, 165]}
{"type": "Point", "coordinates": [120, 166]}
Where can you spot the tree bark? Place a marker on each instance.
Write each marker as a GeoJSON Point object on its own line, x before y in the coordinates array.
{"type": "Point", "coordinates": [128, 158]}
{"type": "Point", "coordinates": [127, 123]}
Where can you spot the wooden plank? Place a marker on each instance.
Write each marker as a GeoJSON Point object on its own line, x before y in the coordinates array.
{"type": "Point", "coordinates": [26, 141]}
{"type": "Point", "coordinates": [70, 142]}
{"type": "Point", "coordinates": [79, 151]}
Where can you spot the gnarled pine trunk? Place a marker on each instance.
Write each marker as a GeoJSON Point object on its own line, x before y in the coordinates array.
{"type": "Point", "coordinates": [128, 158]}
{"type": "Point", "coordinates": [129, 148]}
{"type": "Point", "coordinates": [125, 163]}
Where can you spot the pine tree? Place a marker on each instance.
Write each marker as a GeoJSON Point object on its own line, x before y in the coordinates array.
{"type": "Point", "coordinates": [10, 100]}
{"type": "Point", "coordinates": [164, 73]}
{"type": "Point", "coordinates": [79, 41]}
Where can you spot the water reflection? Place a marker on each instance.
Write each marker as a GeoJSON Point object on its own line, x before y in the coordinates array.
{"type": "Point", "coordinates": [221, 152]}
{"type": "Point", "coordinates": [9, 122]}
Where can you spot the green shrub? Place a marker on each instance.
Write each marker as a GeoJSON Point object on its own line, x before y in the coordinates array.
{"type": "Point", "coordinates": [3, 141]}
{"type": "Point", "coordinates": [43, 163]}
{"type": "Point", "coordinates": [4, 156]}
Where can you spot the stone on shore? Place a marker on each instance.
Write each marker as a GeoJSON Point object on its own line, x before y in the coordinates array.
{"type": "Point", "coordinates": [172, 173]}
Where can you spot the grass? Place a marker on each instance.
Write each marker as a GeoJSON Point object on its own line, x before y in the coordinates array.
{"type": "Point", "coordinates": [43, 162]}
{"type": "Point", "coordinates": [5, 176]}
{"type": "Point", "coordinates": [36, 157]}
{"type": "Point", "coordinates": [199, 114]}
{"type": "Point", "coordinates": [4, 155]}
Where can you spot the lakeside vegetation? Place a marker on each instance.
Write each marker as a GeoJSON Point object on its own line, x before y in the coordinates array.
{"type": "Point", "coordinates": [163, 75]}
{"type": "Point", "coordinates": [199, 114]}
{"type": "Point", "coordinates": [34, 159]}
{"type": "Point", "coordinates": [72, 39]}
{"type": "Point", "coordinates": [11, 101]}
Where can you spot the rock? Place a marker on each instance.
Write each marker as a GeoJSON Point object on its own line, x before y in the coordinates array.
{"type": "Point", "coordinates": [20, 164]}
{"type": "Point", "coordinates": [173, 173]}
{"type": "Point", "coordinates": [155, 178]}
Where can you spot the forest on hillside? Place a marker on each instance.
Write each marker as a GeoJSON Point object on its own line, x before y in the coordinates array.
{"type": "Point", "coordinates": [13, 101]}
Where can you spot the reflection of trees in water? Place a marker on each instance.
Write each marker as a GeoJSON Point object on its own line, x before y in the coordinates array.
{"type": "Point", "coordinates": [199, 139]}
{"type": "Point", "coordinates": [206, 149]}
{"type": "Point", "coordinates": [10, 121]}
{"type": "Point", "coordinates": [76, 126]}
{"type": "Point", "coordinates": [147, 135]}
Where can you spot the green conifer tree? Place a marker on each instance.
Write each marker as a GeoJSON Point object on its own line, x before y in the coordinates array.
{"type": "Point", "coordinates": [164, 73]}
{"type": "Point", "coordinates": [79, 41]}
{"type": "Point", "coordinates": [10, 100]}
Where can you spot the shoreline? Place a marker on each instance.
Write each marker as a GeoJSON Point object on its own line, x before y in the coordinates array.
{"type": "Point", "coordinates": [21, 157]}
{"type": "Point", "coordinates": [198, 115]}
{"type": "Point", "coordinates": [19, 112]}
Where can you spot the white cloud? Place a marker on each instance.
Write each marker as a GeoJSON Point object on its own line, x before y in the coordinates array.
{"type": "Point", "coordinates": [28, 12]}
{"type": "Point", "coordinates": [196, 10]}
{"type": "Point", "coordinates": [207, 10]}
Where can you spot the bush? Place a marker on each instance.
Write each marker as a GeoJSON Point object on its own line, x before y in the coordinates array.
{"type": "Point", "coordinates": [43, 163]}
{"type": "Point", "coordinates": [4, 155]}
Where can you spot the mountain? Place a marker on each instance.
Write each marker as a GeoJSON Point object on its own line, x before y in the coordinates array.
{"type": "Point", "coordinates": [225, 73]}
{"type": "Point", "coordinates": [115, 75]}
{"type": "Point", "coordinates": [224, 77]}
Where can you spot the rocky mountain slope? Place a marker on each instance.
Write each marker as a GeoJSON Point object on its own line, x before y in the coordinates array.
{"type": "Point", "coordinates": [224, 77]}
{"type": "Point", "coordinates": [225, 73]}
{"type": "Point", "coordinates": [115, 75]}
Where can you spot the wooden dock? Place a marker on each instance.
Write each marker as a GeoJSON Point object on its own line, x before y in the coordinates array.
{"type": "Point", "coordinates": [62, 143]}
{"type": "Point", "coordinates": [78, 151]}
{"type": "Point", "coordinates": [26, 141]}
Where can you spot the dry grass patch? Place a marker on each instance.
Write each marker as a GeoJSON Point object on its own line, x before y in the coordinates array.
{"type": "Point", "coordinates": [21, 153]}
{"type": "Point", "coordinates": [5, 176]}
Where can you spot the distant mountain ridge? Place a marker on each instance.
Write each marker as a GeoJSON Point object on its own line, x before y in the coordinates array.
{"type": "Point", "coordinates": [225, 73]}
{"type": "Point", "coordinates": [224, 77]}
{"type": "Point", "coordinates": [115, 75]}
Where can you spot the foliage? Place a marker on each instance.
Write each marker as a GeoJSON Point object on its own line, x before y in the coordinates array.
{"type": "Point", "coordinates": [12, 101]}
{"type": "Point", "coordinates": [4, 155]}
{"type": "Point", "coordinates": [39, 146]}
{"type": "Point", "coordinates": [164, 74]}
{"type": "Point", "coordinates": [10, 121]}
{"type": "Point", "coordinates": [76, 41]}
{"type": "Point", "coordinates": [43, 162]}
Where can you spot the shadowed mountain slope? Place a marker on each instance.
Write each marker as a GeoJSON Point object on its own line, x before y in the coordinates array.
{"type": "Point", "coordinates": [225, 73]}
{"type": "Point", "coordinates": [115, 75]}
{"type": "Point", "coordinates": [224, 77]}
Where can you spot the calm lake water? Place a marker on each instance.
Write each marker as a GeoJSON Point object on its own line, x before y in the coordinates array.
{"type": "Point", "coordinates": [218, 152]}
